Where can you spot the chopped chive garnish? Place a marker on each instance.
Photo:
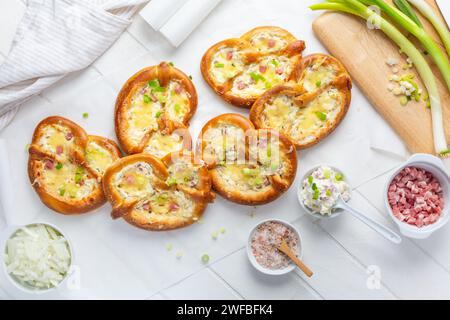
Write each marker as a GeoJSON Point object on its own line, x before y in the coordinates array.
{"type": "Point", "coordinates": [322, 116]}
{"type": "Point", "coordinates": [171, 181]}
{"type": "Point", "coordinates": [205, 258]}
{"type": "Point", "coordinates": [316, 194]}
{"type": "Point", "coordinates": [59, 166]}
{"type": "Point", "coordinates": [318, 83]}
{"type": "Point", "coordinates": [268, 85]}
{"type": "Point", "coordinates": [79, 175]}
{"type": "Point", "coordinates": [177, 108]}
{"type": "Point", "coordinates": [314, 187]}
{"type": "Point", "coordinates": [256, 77]}
{"type": "Point", "coordinates": [339, 176]}
{"type": "Point", "coordinates": [310, 179]}
{"type": "Point", "coordinates": [85, 115]}
{"type": "Point", "coordinates": [158, 89]}
{"type": "Point", "coordinates": [218, 65]}
{"type": "Point", "coordinates": [158, 114]}
{"type": "Point", "coordinates": [153, 83]}
{"type": "Point", "coordinates": [274, 62]}
{"type": "Point", "coordinates": [146, 98]}
{"type": "Point", "coordinates": [328, 193]}
{"type": "Point", "coordinates": [62, 191]}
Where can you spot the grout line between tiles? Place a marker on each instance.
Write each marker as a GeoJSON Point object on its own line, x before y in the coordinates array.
{"type": "Point", "coordinates": [226, 284]}
{"type": "Point", "coordinates": [309, 287]}
{"type": "Point", "coordinates": [354, 258]}
{"type": "Point", "coordinates": [408, 239]}
{"type": "Point", "coordinates": [373, 178]}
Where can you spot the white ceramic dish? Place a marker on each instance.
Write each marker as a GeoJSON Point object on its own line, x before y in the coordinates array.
{"type": "Point", "coordinates": [29, 289]}
{"type": "Point", "coordinates": [262, 269]}
{"type": "Point", "coordinates": [436, 167]}
{"type": "Point", "coordinates": [309, 211]}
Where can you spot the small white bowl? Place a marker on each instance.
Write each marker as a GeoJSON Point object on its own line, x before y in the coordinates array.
{"type": "Point", "coordinates": [16, 283]}
{"type": "Point", "coordinates": [308, 210]}
{"type": "Point", "coordinates": [436, 167]}
{"type": "Point", "coordinates": [262, 269]}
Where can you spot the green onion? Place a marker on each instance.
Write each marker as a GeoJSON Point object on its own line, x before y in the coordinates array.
{"type": "Point", "coordinates": [218, 65]}
{"type": "Point", "coordinates": [314, 187]}
{"type": "Point", "coordinates": [79, 174]}
{"type": "Point", "coordinates": [322, 116]}
{"type": "Point", "coordinates": [58, 166]}
{"type": "Point", "coordinates": [339, 176]}
{"type": "Point", "coordinates": [62, 191]}
{"type": "Point", "coordinates": [310, 179]}
{"type": "Point", "coordinates": [171, 181]}
{"type": "Point", "coordinates": [275, 62]}
{"type": "Point", "coordinates": [153, 83]}
{"type": "Point", "coordinates": [158, 89]}
{"type": "Point", "coordinates": [328, 193]}
{"type": "Point", "coordinates": [158, 114]}
{"type": "Point", "coordinates": [85, 115]}
{"type": "Point", "coordinates": [190, 77]}
{"type": "Point", "coordinates": [404, 7]}
{"type": "Point", "coordinates": [146, 98]}
{"type": "Point", "coordinates": [205, 258]}
{"type": "Point", "coordinates": [316, 194]}
{"type": "Point", "coordinates": [256, 77]}
{"type": "Point", "coordinates": [318, 83]}
{"type": "Point", "coordinates": [440, 27]}
{"type": "Point", "coordinates": [427, 41]}
{"type": "Point", "coordinates": [268, 85]}
{"type": "Point", "coordinates": [169, 247]}
{"type": "Point", "coordinates": [177, 108]}
{"type": "Point", "coordinates": [171, 64]}
{"type": "Point", "coordinates": [215, 235]}
{"type": "Point", "coordinates": [355, 7]}
{"type": "Point", "coordinates": [222, 230]}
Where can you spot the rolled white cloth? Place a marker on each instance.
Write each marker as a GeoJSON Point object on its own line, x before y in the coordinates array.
{"type": "Point", "coordinates": [55, 38]}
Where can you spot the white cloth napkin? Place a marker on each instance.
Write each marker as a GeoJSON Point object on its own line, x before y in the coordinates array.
{"type": "Point", "coordinates": [54, 39]}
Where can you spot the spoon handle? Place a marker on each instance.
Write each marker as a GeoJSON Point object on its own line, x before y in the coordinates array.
{"type": "Point", "coordinates": [287, 251]}
{"type": "Point", "coordinates": [378, 227]}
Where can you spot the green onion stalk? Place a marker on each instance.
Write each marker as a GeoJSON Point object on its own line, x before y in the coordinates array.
{"type": "Point", "coordinates": [357, 8]}
{"type": "Point", "coordinates": [440, 27]}
{"type": "Point", "coordinates": [427, 41]}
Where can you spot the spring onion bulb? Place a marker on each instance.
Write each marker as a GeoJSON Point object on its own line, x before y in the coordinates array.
{"type": "Point", "coordinates": [440, 27]}
{"type": "Point", "coordinates": [427, 41]}
{"type": "Point", "coordinates": [355, 7]}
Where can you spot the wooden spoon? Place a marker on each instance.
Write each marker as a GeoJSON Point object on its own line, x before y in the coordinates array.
{"type": "Point", "coordinates": [287, 251]}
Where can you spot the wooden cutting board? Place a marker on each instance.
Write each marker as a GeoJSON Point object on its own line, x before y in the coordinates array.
{"type": "Point", "coordinates": [364, 52]}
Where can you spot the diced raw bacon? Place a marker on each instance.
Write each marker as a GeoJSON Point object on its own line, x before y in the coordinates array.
{"type": "Point", "coordinates": [416, 197]}
{"type": "Point", "coordinates": [271, 43]}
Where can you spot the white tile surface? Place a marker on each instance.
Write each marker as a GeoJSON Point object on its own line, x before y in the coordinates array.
{"type": "Point", "coordinates": [126, 48]}
{"type": "Point", "coordinates": [337, 275]}
{"type": "Point", "coordinates": [237, 271]}
{"type": "Point", "coordinates": [201, 285]}
{"type": "Point", "coordinates": [339, 251]}
{"type": "Point", "coordinates": [404, 268]}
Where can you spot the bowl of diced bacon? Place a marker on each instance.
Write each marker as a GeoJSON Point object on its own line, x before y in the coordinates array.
{"type": "Point", "coordinates": [417, 196]}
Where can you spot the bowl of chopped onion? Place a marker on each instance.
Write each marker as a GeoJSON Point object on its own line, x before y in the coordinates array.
{"type": "Point", "coordinates": [37, 257]}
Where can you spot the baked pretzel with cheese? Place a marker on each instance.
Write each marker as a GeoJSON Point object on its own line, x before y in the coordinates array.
{"type": "Point", "coordinates": [247, 166]}
{"type": "Point", "coordinates": [309, 108]}
{"type": "Point", "coordinates": [241, 69]}
{"type": "Point", "coordinates": [158, 194]}
{"type": "Point", "coordinates": [66, 165]}
{"type": "Point", "coordinates": [153, 110]}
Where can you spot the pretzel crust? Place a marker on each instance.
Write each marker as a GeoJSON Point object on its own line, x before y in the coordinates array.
{"type": "Point", "coordinates": [277, 183]}
{"type": "Point", "coordinates": [164, 73]}
{"type": "Point", "coordinates": [129, 209]}
{"type": "Point", "coordinates": [38, 157]}
{"type": "Point", "coordinates": [292, 50]}
{"type": "Point", "coordinates": [301, 96]}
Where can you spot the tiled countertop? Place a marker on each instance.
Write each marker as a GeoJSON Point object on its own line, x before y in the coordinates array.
{"type": "Point", "coordinates": [118, 261]}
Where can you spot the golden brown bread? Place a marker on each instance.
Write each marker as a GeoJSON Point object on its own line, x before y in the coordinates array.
{"type": "Point", "coordinates": [66, 165]}
{"type": "Point", "coordinates": [241, 69]}
{"type": "Point", "coordinates": [158, 194]}
{"type": "Point", "coordinates": [247, 166]}
{"type": "Point", "coordinates": [309, 108]}
{"type": "Point", "coordinates": [153, 110]}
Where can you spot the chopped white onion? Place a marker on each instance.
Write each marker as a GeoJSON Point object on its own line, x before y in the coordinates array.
{"type": "Point", "coordinates": [37, 256]}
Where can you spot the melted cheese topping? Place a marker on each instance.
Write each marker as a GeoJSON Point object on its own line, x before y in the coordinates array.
{"type": "Point", "coordinates": [98, 157]}
{"type": "Point", "coordinates": [160, 145]}
{"type": "Point", "coordinates": [54, 137]}
{"type": "Point", "coordinates": [177, 103]}
{"type": "Point", "coordinates": [226, 63]}
{"type": "Point", "coordinates": [184, 173]}
{"type": "Point", "coordinates": [259, 77]}
{"type": "Point", "coordinates": [306, 123]}
{"type": "Point", "coordinates": [224, 142]}
{"type": "Point", "coordinates": [317, 76]}
{"type": "Point", "coordinates": [67, 182]}
{"type": "Point", "coordinates": [243, 177]}
{"type": "Point", "coordinates": [267, 42]}
{"type": "Point", "coordinates": [142, 115]}
{"type": "Point", "coordinates": [135, 181]}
